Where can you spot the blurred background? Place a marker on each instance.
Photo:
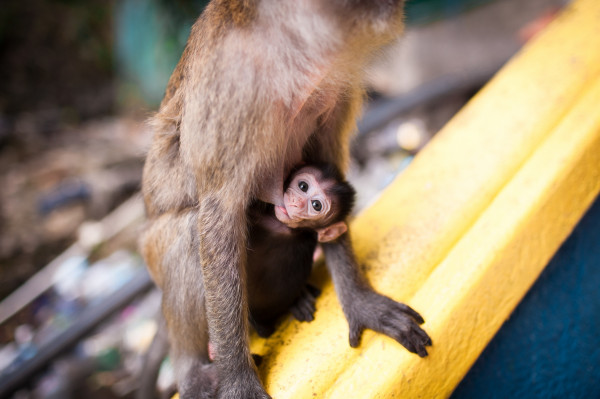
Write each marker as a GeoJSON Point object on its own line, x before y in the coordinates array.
{"type": "Point", "coordinates": [80, 79]}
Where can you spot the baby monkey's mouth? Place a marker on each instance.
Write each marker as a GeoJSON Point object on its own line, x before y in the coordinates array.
{"type": "Point", "coordinates": [282, 209]}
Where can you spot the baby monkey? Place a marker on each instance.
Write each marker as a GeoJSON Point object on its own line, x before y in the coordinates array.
{"type": "Point", "coordinates": [283, 239]}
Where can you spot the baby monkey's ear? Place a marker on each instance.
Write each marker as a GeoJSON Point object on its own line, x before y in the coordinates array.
{"type": "Point", "coordinates": [332, 232]}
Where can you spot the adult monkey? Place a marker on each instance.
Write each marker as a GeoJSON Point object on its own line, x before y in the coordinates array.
{"type": "Point", "coordinates": [262, 86]}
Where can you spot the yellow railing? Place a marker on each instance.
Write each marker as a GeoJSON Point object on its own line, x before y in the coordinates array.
{"type": "Point", "coordinates": [464, 232]}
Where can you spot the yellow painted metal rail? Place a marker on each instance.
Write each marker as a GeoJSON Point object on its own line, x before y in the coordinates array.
{"type": "Point", "coordinates": [466, 230]}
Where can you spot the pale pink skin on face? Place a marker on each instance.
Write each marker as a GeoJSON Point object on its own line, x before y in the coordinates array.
{"type": "Point", "coordinates": [299, 205]}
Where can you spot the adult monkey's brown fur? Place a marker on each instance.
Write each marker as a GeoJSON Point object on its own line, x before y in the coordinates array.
{"type": "Point", "coordinates": [261, 86]}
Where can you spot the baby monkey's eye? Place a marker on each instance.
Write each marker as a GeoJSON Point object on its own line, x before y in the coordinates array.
{"type": "Point", "coordinates": [302, 185]}
{"type": "Point", "coordinates": [317, 205]}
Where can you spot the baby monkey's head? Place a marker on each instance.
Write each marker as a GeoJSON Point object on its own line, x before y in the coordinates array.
{"type": "Point", "coordinates": [317, 197]}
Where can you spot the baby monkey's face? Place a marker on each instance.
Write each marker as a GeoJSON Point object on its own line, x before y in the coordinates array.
{"type": "Point", "coordinates": [306, 203]}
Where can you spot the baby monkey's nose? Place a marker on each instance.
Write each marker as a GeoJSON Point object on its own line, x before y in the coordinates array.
{"type": "Point", "coordinates": [298, 201]}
